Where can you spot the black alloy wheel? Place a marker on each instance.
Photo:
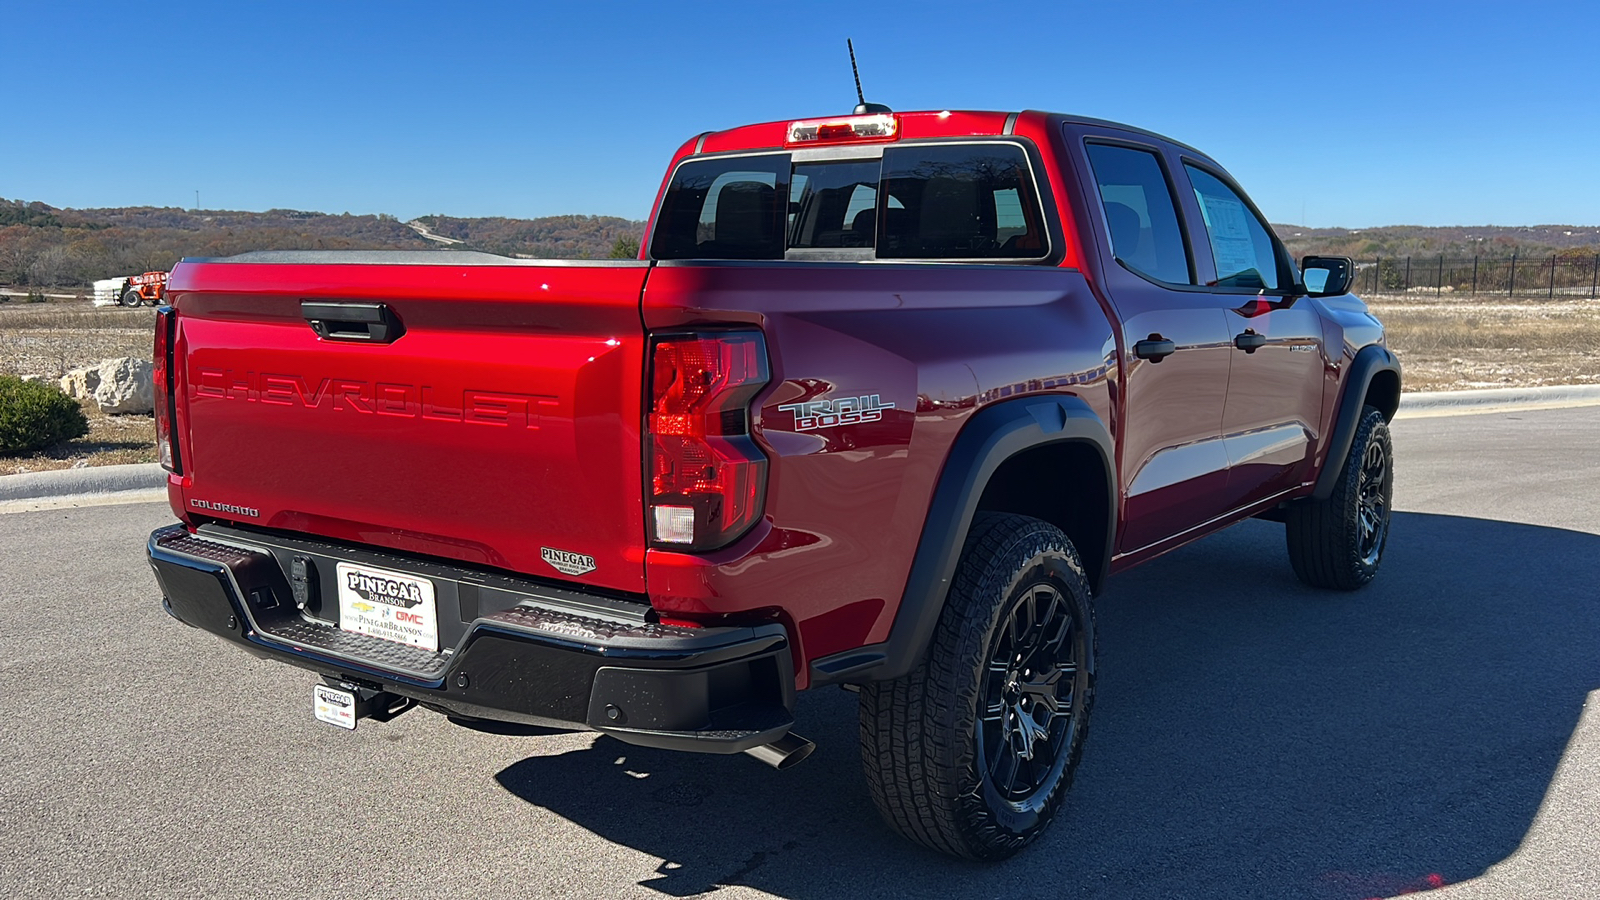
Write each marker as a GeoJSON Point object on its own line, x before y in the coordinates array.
{"type": "Point", "coordinates": [1372, 503]}
{"type": "Point", "coordinates": [1338, 542]}
{"type": "Point", "coordinates": [1030, 717]}
{"type": "Point", "coordinates": [973, 751]}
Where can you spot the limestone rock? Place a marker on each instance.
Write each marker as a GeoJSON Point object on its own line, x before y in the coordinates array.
{"type": "Point", "coordinates": [118, 386]}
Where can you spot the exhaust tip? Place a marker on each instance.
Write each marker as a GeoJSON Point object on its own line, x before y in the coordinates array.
{"type": "Point", "coordinates": [785, 752]}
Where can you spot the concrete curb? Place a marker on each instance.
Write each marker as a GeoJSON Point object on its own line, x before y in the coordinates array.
{"type": "Point", "coordinates": [1460, 403]}
{"type": "Point", "coordinates": [92, 480]}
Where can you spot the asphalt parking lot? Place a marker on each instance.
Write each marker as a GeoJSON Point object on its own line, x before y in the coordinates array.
{"type": "Point", "coordinates": [1252, 738]}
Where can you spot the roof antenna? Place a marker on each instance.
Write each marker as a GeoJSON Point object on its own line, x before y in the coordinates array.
{"type": "Point", "coordinates": [862, 106]}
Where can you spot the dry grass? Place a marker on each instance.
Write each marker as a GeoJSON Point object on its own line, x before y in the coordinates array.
{"type": "Point", "coordinates": [1456, 344]}
{"type": "Point", "coordinates": [50, 338]}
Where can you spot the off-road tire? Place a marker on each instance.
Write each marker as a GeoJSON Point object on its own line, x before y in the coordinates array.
{"type": "Point", "coordinates": [927, 739]}
{"type": "Point", "coordinates": [1338, 543]}
{"type": "Point", "coordinates": [132, 297]}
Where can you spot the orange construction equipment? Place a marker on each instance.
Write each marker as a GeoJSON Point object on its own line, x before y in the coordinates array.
{"type": "Point", "coordinates": [149, 289]}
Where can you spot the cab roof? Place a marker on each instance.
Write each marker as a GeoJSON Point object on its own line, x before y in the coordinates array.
{"type": "Point", "coordinates": [914, 125]}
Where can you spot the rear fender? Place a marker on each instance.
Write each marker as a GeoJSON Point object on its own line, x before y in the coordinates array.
{"type": "Point", "coordinates": [994, 435]}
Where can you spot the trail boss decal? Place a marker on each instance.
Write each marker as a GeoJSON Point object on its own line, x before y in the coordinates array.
{"type": "Point", "coordinates": [567, 563]}
{"type": "Point", "coordinates": [814, 414]}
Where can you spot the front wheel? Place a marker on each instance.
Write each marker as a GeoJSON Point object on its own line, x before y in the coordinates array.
{"type": "Point", "coordinates": [973, 751]}
{"type": "Point", "coordinates": [1338, 543]}
{"type": "Point", "coordinates": [131, 297]}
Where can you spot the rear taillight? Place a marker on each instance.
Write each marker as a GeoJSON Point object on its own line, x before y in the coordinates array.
{"type": "Point", "coordinates": [708, 478]}
{"type": "Point", "coordinates": [165, 378]}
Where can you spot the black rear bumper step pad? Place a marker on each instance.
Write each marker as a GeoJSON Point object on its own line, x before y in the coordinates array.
{"type": "Point", "coordinates": [550, 657]}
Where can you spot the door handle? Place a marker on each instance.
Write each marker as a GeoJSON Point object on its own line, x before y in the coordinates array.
{"type": "Point", "coordinates": [368, 323]}
{"type": "Point", "coordinates": [1154, 348]}
{"type": "Point", "coordinates": [1249, 341]}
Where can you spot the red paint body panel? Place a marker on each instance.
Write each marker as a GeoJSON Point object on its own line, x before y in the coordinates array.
{"type": "Point", "coordinates": [504, 420]}
{"type": "Point", "coordinates": [846, 506]}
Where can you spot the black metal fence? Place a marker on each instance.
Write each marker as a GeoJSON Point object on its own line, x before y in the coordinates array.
{"type": "Point", "coordinates": [1558, 276]}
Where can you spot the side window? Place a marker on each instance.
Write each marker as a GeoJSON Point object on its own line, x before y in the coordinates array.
{"type": "Point", "coordinates": [1140, 213]}
{"type": "Point", "coordinates": [1240, 242]}
{"type": "Point", "coordinates": [961, 201]}
{"type": "Point", "coordinates": [723, 209]}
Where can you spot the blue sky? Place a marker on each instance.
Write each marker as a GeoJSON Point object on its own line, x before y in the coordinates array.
{"type": "Point", "coordinates": [1352, 113]}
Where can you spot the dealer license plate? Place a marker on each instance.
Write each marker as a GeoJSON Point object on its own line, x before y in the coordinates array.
{"type": "Point", "coordinates": [336, 707]}
{"type": "Point", "coordinates": [390, 605]}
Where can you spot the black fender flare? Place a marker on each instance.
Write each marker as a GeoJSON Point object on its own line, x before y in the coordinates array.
{"type": "Point", "coordinates": [1369, 361]}
{"type": "Point", "coordinates": [993, 435]}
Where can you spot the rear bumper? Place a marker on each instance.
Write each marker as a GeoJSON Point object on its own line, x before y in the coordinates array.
{"type": "Point", "coordinates": [525, 653]}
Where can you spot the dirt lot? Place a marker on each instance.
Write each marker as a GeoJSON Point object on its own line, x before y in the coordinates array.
{"type": "Point", "coordinates": [1445, 343]}
{"type": "Point", "coordinates": [50, 338]}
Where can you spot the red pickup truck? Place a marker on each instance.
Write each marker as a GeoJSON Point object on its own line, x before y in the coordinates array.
{"type": "Point", "coordinates": [884, 401]}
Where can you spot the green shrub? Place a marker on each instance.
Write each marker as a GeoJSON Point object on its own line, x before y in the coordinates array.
{"type": "Point", "coordinates": [34, 415]}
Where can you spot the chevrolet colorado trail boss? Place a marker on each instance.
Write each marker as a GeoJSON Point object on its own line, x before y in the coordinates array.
{"type": "Point", "coordinates": [884, 401]}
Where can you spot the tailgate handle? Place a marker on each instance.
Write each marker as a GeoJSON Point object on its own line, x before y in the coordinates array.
{"type": "Point", "coordinates": [367, 323]}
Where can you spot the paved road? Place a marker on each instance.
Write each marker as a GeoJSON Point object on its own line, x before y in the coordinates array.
{"type": "Point", "coordinates": [1252, 738]}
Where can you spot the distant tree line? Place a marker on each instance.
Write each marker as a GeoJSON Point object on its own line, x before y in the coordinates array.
{"type": "Point", "coordinates": [552, 237]}
{"type": "Point", "coordinates": [1394, 241]}
{"type": "Point", "coordinates": [48, 247]}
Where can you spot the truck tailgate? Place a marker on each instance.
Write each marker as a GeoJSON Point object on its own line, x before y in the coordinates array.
{"type": "Point", "coordinates": [501, 427]}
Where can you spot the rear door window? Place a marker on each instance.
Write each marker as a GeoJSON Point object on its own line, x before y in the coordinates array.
{"type": "Point", "coordinates": [970, 201]}
{"type": "Point", "coordinates": [1240, 242]}
{"type": "Point", "coordinates": [1140, 213]}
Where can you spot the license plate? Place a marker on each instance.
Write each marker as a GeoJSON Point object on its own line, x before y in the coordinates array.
{"type": "Point", "coordinates": [390, 605]}
{"type": "Point", "coordinates": [334, 706]}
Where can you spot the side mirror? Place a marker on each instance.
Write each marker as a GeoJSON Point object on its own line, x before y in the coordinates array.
{"type": "Point", "coordinates": [1327, 276]}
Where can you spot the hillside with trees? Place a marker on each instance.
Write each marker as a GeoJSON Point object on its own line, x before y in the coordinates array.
{"type": "Point", "coordinates": [552, 237]}
{"type": "Point", "coordinates": [43, 246]}
{"type": "Point", "coordinates": [1392, 241]}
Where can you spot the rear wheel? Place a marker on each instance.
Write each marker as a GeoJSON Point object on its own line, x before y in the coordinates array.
{"type": "Point", "coordinates": [973, 751]}
{"type": "Point", "coordinates": [1338, 543]}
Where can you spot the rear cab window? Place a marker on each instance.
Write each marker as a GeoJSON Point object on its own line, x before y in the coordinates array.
{"type": "Point", "coordinates": [967, 201]}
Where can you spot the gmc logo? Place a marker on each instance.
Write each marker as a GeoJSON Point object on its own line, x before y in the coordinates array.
{"type": "Point", "coordinates": [408, 618]}
{"type": "Point", "coordinates": [407, 401]}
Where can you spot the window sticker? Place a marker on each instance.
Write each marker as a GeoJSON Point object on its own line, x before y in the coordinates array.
{"type": "Point", "coordinates": [1229, 224]}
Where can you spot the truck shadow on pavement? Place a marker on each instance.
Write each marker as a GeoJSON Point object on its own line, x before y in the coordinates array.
{"type": "Point", "coordinates": [1252, 738]}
